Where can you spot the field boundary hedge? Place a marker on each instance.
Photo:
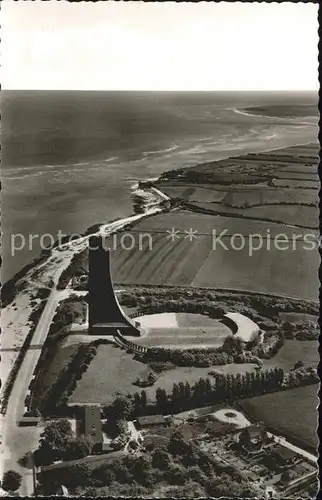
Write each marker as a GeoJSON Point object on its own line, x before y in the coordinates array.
{"type": "Point", "coordinates": [198, 209]}
{"type": "Point", "coordinates": [234, 291]}
{"type": "Point", "coordinates": [56, 398]}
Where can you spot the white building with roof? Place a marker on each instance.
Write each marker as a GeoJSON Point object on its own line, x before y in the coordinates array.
{"type": "Point", "coordinates": [243, 327]}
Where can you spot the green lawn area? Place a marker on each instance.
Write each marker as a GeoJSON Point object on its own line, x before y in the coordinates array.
{"type": "Point", "coordinates": [51, 370]}
{"type": "Point", "coordinates": [291, 413]}
{"type": "Point", "coordinates": [114, 371]}
{"type": "Point", "coordinates": [293, 351]}
{"type": "Point", "coordinates": [111, 371]}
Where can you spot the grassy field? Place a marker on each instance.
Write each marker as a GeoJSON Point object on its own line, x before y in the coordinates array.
{"type": "Point", "coordinates": [185, 337]}
{"type": "Point", "coordinates": [291, 413]}
{"type": "Point", "coordinates": [297, 184]}
{"type": "Point", "coordinates": [182, 330]}
{"type": "Point", "coordinates": [113, 371]}
{"type": "Point", "coordinates": [194, 192]}
{"type": "Point", "coordinates": [241, 196]}
{"type": "Point", "coordinates": [246, 182]}
{"type": "Point", "coordinates": [293, 351]}
{"type": "Point", "coordinates": [300, 215]}
{"type": "Point", "coordinates": [204, 224]}
{"type": "Point", "coordinates": [268, 196]}
{"type": "Point", "coordinates": [297, 215]}
{"type": "Point", "coordinates": [300, 168]}
{"type": "Point", "coordinates": [168, 263]}
{"type": "Point", "coordinates": [110, 372]}
{"type": "Point", "coordinates": [51, 370]}
{"type": "Point", "coordinates": [286, 174]}
{"type": "Point", "coordinates": [264, 271]}
{"type": "Point", "coordinates": [200, 262]}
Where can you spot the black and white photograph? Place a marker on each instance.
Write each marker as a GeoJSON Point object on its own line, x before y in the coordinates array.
{"type": "Point", "coordinates": [160, 249]}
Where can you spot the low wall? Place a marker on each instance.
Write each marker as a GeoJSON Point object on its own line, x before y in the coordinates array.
{"type": "Point", "coordinates": [129, 345]}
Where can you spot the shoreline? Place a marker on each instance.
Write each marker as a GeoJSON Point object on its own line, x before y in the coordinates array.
{"type": "Point", "coordinates": [137, 186]}
{"type": "Point", "coordinates": [17, 312]}
{"type": "Point", "coordinates": [253, 113]}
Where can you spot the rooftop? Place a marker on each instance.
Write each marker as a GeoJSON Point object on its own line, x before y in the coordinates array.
{"type": "Point", "coordinates": [153, 419]}
{"type": "Point", "coordinates": [246, 327]}
{"type": "Point", "coordinates": [284, 454]}
{"type": "Point", "coordinates": [254, 430]}
{"type": "Point", "coordinates": [92, 425]}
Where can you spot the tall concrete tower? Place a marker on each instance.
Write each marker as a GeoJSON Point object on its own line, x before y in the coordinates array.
{"type": "Point", "coordinates": [105, 313]}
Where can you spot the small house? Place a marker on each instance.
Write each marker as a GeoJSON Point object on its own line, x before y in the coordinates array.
{"type": "Point", "coordinates": [90, 427]}
{"type": "Point", "coordinates": [283, 457]}
{"type": "Point", "coordinates": [280, 459]}
{"type": "Point", "coordinates": [153, 421]}
{"type": "Point", "coordinates": [253, 437]}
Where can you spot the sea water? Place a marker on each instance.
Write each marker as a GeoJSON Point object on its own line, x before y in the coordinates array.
{"type": "Point", "coordinates": [71, 159]}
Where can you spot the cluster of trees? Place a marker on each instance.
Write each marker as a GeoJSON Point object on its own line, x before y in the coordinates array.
{"type": "Point", "coordinates": [220, 388]}
{"type": "Point", "coordinates": [269, 349]}
{"type": "Point", "coordinates": [256, 306]}
{"type": "Point", "coordinates": [71, 310]}
{"type": "Point", "coordinates": [11, 481]}
{"type": "Point", "coordinates": [233, 350]}
{"type": "Point", "coordinates": [304, 330]}
{"type": "Point", "coordinates": [185, 357]}
{"type": "Point", "coordinates": [57, 442]}
{"type": "Point", "coordinates": [169, 465]}
{"type": "Point", "coordinates": [147, 381]}
{"type": "Point", "coordinates": [160, 366]}
{"type": "Point", "coordinates": [184, 396]}
{"type": "Point", "coordinates": [166, 467]}
{"type": "Point", "coordinates": [54, 401]}
{"type": "Point", "coordinates": [77, 267]}
{"type": "Point", "coordinates": [123, 408]}
{"type": "Point", "coordinates": [300, 375]}
{"type": "Point", "coordinates": [207, 174]}
{"type": "Point", "coordinates": [117, 414]}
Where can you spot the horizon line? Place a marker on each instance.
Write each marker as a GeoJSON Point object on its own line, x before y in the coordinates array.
{"type": "Point", "coordinates": [156, 90]}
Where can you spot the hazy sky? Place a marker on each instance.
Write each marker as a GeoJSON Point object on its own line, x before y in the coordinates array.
{"type": "Point", "coordinates": [158, 46]}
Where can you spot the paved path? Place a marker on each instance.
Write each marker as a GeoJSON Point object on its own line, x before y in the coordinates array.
{"type": "Point", "coordinates": [17, 441]}
{"type": "Point", "coordinates": [305, 454]}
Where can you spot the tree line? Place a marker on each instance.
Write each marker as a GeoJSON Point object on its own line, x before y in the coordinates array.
{"type": "Point", "coordinates": [220, 388]}
{"type": "Point", "coordinates": [261, 306]}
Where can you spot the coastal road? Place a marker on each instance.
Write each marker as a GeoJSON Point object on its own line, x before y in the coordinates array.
{"type": "Point", "coordinates": [17, 441]}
